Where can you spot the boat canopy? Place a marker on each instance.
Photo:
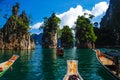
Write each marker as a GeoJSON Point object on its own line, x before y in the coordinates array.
{"type": "Point", "coordinates": [113, 53]}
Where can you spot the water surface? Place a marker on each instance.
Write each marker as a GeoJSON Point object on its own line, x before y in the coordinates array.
{"type": "Point", "coordinates": [44, 64]}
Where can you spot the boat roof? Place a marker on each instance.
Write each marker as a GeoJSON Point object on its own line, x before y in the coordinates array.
{"type": "Point", "coordinates": [114, 53]}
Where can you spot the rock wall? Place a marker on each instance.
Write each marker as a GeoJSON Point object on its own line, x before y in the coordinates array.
{"type": "Point", "coordinates": [50, 32]}
{"type": "Point", "coordinates": [111, 13]}
{"type": "Point", "coordinates": [111, 23]}
{"type": "Point", "coordinates": [17, 41]}
{"type": "Point", "coordinates": [49, 41]}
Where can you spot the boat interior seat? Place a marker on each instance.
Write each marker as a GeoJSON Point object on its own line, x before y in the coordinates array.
{"type": "Point", "coordinates": [111, 67]}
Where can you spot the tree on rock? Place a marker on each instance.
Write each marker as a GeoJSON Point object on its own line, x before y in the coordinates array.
{"type": "Point", "coordinates": [50, 31]}
{"type": "Point", "coordinates": [15, 9]}
{"type": "Point", "coordinates": [23, 22]}
{"type": "Point", "coordinates": [85, 36]}
{"type": "Point", "coordinates": [66, 37]}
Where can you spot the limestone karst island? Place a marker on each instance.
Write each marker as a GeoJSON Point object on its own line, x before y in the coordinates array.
{"type": "Point", "coordinates": [14, 34]}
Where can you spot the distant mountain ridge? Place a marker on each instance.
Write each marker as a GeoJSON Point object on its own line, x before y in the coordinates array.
{"type": "Point", "coordinates": [37, 38]}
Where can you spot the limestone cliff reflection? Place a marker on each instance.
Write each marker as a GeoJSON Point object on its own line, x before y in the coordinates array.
{"type": "Point", "coordinates": [49, 64]}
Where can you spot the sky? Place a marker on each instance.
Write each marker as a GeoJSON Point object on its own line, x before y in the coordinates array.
{"type": "Point", "coordinates": [66, 10]}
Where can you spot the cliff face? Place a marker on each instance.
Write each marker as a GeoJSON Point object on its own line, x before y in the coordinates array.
{"type": "Point", "coordinates": [14, 34]}
{"type": "Point", "coordinates": [1, 40]}
{"type": "Point", "coordinates": [111, 22]}
{"type": "Point", "coordinates": [112, 15]}
{"type": "Point", "coordinates": [49, 40]}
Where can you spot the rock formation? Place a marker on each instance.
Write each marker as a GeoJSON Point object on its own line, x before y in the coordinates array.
{"type": "Point", "coordinates": [111, 23]}
{"type": "Point", "coordinates": [14, 34]}
{"type": "Point", "coordinates": [50, 32]}
{"type": "Point", "coordinates": [49, 40]}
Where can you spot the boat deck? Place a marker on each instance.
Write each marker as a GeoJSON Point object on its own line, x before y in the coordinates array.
{"type": "Point", "coordinates": [106, 61]}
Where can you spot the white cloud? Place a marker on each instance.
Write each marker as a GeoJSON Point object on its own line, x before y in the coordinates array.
{"type": "Point", "coordinates": [99, 9]}
{"type": "Point", "coordinates": [69, 17]}
{"type": "Point", "coordinates": [37, 25]}
{"type": "Point", "coordinates": [35, 29]}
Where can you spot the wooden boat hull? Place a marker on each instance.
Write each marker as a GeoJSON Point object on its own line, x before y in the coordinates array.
{"type": "Point", "coordinates": [7, 64]}
{"type": "Point", "coordinates": [106, 64]}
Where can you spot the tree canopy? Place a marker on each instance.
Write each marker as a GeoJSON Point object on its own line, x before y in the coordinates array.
{"type": "Point", "coordinates": [84, 30]}
{"type": "Point", "coordinates": [51, 23]}
{"type": "Point", "coordinates": [66, 37]}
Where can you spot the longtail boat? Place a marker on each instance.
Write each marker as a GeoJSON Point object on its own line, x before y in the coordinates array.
{"type": "Point", "coordinates": [60, 51]}
{"type": "Point", "coordinates": [7, 64]}
{"type": "Point", "coordinates": [110, 62]}
{"type": "Point", "coordinates": [72, 71]}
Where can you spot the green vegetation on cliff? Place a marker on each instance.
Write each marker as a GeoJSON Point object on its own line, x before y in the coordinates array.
{"type": "Point", "coordinates": [21, 21]}
{"type": "Point", "coordinates": [84, 32]}
{"type": "Point", "coordinates": [51, 24]}
{"type": "Point", "coordinates": [66, 37]}
{"type": "Point", "coordinates": [50, 31]}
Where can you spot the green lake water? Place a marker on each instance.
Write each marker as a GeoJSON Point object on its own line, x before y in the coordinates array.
{"type": "Point", "coordinates": [44, 64]}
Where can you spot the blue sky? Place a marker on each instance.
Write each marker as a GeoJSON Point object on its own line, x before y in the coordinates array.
{"type": "Point", "coordinates": [66, 10]}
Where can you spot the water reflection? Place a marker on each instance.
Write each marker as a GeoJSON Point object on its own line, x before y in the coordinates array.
{"type": "Point", "coordinates": [49, 64]}
{"type": "Point", "coordinates": [5, 55]}
{"type": "Point", "coordinates": [44, 64]}
{"type": "Point", "coordinates": [35, 65]}
{"type": "Point", "coordinates": [20, 66]}
{"type": "Point", "coordinates": [87, 64]}
{"type": "Point", "coordinates": [70, 54]}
